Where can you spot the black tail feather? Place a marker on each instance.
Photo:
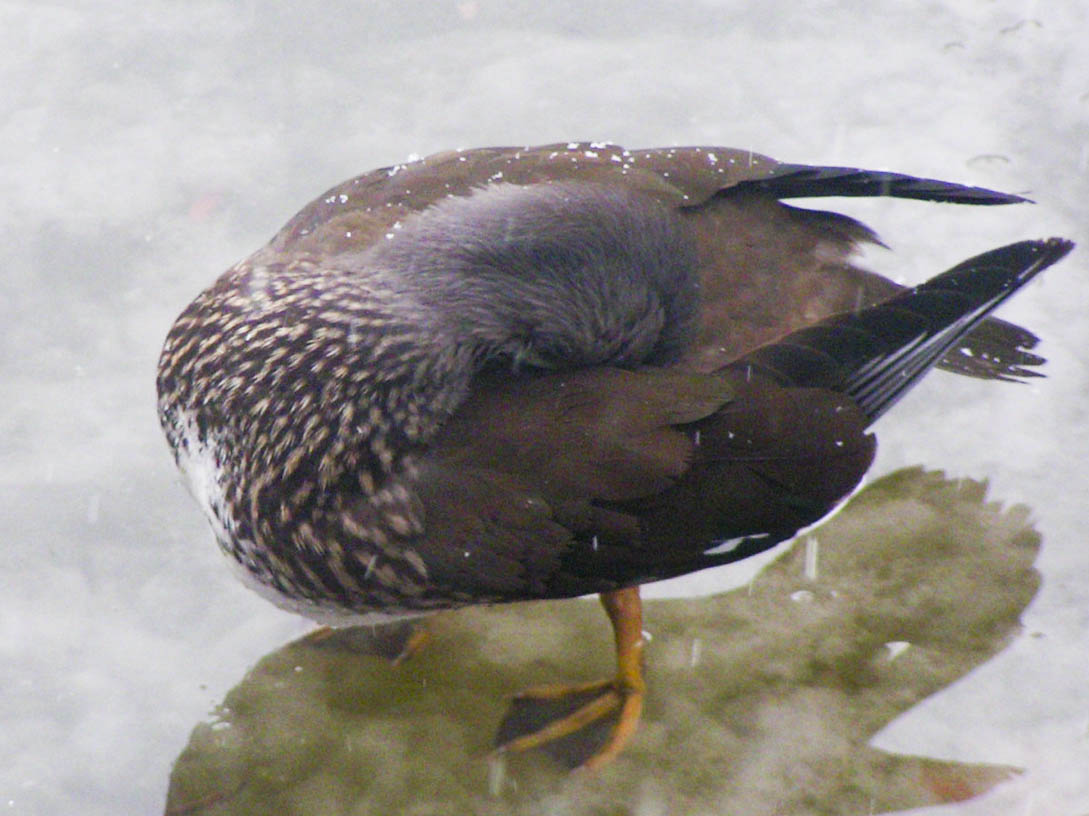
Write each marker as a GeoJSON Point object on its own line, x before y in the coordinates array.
{"type": "Point", "coordinates": [877, 354]}
{"type": "Point", "coordinates": [804, 181]}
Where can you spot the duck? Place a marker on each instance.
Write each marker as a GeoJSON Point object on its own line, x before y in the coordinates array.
{"type": "Point", "coordinates": [510, 374]}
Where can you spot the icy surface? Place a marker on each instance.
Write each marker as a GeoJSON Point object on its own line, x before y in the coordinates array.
{"type": "Point", "coordinates": [146, 147]}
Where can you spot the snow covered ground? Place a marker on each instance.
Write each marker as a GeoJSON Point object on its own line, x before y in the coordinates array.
{"type": "Point", "coordinates": [145, 147]}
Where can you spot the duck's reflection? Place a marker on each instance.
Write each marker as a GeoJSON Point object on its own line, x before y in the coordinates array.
{"type": "Point", "coordinates": [762, 700]}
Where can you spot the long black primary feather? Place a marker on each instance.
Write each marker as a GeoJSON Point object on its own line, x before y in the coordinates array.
{"type": "Point", "coordinates": [805, 181]}
{"type": "Point", "coordinates": [877, 354]}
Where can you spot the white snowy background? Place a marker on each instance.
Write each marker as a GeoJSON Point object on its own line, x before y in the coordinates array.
{"type": "Point", "coordinates": [144, 147]}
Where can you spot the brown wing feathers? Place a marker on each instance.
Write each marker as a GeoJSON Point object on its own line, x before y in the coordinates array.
{"type": "Point", "coordinates": [792, 442]}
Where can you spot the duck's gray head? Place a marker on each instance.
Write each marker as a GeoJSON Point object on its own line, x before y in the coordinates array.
{"type": "Point", "coordinates": [555, 275]}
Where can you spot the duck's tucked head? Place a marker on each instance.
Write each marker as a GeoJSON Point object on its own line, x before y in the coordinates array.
{"type": "Point", "coordinates": [554, 275]}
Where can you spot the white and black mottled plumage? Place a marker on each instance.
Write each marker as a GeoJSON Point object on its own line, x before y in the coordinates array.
{"type": "Point", "coordinates": [510, 373]}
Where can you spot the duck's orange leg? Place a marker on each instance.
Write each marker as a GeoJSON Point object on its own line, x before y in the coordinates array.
{"type": "Point", "coordinates": [624, 692]}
